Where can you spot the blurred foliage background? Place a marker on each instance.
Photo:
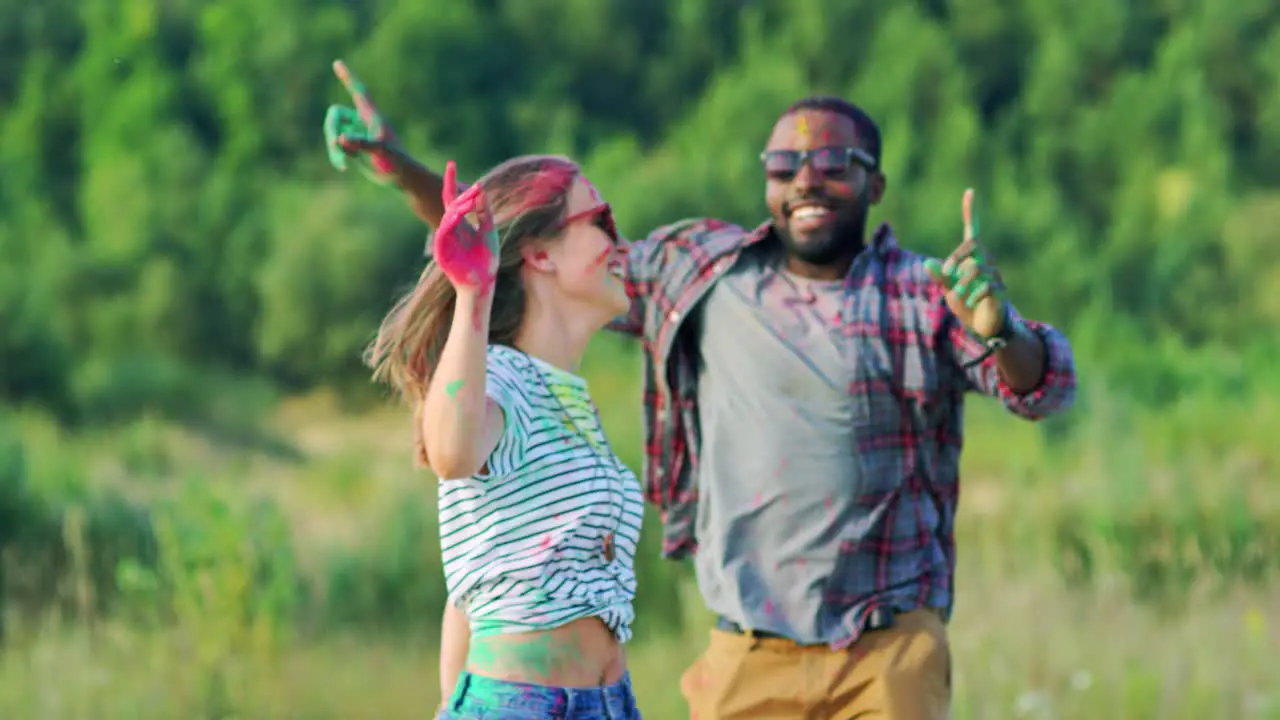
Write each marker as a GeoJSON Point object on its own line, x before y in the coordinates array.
{"type": "Point", "coordinates": [206, 510]}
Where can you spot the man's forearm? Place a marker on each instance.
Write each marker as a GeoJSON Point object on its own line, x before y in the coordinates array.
{"type": "Point", "coordinates": [423, 186]}
{"type": "Point", "coordinates": [1022, 362]}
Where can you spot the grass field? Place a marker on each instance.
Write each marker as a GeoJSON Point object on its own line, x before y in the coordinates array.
{"type": "Point", "coordinates": [1023, 649]}
{"type": "Point", "coordinates": [1095, 581]}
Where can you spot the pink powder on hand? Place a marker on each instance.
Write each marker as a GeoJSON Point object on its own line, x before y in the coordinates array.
{"type": "Point", "coordinates": [382, 163]}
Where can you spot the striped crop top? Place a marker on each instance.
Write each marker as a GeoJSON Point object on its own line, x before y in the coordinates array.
{"type": "Point", "coordinates": [547, 535]}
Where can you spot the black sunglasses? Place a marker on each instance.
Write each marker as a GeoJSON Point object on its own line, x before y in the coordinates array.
{"type": "Point", "coordinates": [827, 161]}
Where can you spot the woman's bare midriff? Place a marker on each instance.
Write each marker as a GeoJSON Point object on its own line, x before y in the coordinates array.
{"type": "Point", "coordinates": [583, 653]}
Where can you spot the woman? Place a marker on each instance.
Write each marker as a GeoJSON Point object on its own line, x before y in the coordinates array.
{"type": "Point", "coordinates": [539, 519]}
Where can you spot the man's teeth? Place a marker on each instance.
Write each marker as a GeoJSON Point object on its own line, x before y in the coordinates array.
{"type": "Point", "coordinates": [809, 212]}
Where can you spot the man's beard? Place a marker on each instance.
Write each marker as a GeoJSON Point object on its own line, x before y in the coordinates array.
{"type": "Point", "coordinates": [844, 239]}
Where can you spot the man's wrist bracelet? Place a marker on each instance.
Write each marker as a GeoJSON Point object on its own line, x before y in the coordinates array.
{"type": "Point", "coordinates": [1009, 329]}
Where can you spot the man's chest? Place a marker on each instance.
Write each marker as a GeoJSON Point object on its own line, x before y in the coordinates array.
{"type": "Point", "coordinates": [787, 326]}
{"type": "Point", "coordinates": [843, 350]}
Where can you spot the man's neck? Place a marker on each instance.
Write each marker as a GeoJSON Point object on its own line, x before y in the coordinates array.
{"type": "Point", "coordinates": [830, 271]}
{"type": "Point", "coordinates": [836, 269]}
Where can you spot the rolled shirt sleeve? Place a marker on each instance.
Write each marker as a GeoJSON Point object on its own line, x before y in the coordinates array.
{"type": "Point", "coordinates": [1057, 389]}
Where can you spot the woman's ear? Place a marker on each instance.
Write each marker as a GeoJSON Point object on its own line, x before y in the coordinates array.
{"type": "Point", "coordinates": [535, 255]}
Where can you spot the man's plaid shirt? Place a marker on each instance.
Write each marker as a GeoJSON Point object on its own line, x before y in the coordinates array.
{"type": "Point", "coordinates": [916, 384]}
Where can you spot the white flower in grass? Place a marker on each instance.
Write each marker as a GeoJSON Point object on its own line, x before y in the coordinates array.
{"type": "Point", "coordinates": [1033, 703]}
{"type": "Point", "coordinates": [1081, 680]}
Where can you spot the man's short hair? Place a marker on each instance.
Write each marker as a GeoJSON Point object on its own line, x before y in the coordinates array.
{"type": "Point", "coordinates": [868, 130]}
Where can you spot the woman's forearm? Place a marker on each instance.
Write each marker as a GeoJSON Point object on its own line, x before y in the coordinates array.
{"type": "Point", "coordinates": [454, 413]}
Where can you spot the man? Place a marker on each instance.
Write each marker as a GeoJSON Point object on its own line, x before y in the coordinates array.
{"type": "Point", "coordinates": [804, 398]}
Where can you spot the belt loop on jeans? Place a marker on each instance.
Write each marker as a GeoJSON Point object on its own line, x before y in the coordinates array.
{"type": "Point", "coordinates": [570, 702]}
{"type": "Point", "coordinates": [881, 617]}
{"type": "Point", "coordinates": [604, 702]}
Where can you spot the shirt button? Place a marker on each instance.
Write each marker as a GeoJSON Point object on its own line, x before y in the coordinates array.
{"type": "Point", "coordinates": [674, 316]}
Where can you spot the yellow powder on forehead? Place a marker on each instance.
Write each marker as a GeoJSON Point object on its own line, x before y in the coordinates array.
{"type": "Point", "coordinates": [802, 127]}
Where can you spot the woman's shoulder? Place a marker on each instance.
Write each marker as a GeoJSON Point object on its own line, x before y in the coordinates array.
{"type": "Point", "coordinates": [502, 353]}
{"type": "Point", "coordinates": [512, 376]}
{"type": "Point", "coordinates": [506, 360]}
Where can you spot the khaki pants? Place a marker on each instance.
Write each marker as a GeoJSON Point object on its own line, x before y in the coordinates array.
{"type": "Point", "coordinates": [899, 673]}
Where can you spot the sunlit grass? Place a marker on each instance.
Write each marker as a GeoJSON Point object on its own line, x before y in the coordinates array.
{"type": "Point", "coordinates": [1108, 571]}
{"type": "Point", "coordinates": [1022, 649]}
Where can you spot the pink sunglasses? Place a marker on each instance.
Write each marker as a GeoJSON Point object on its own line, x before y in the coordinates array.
{"type": "Point", "coordinates": [601, 215]}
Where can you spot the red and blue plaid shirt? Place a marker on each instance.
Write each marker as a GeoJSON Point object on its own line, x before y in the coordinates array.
{"type": "Point", "coordinates": [903, 313]}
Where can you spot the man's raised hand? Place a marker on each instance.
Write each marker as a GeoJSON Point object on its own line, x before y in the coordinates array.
{"type": "Point", "coordinates": [974, 288]}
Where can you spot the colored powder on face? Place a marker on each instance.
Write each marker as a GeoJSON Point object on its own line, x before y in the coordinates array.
{"type": "Point", "coordinates": [602, 259]}
{"type": "Point", "coordinates": [603, 262]}
{"type": "Point", "coordinates": [802, 128]}
{"type": "Point", "coordinates": [593, 192]}
{"type": "Point", "coordinates": [453, 388]}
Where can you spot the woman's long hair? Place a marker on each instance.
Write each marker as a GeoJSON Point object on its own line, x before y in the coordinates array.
{"type": "Point", "coordinates": [529, 197]}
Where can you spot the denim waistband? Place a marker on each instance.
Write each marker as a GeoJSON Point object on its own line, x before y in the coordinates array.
{"type": "Point", "coordinates": [610, 702]}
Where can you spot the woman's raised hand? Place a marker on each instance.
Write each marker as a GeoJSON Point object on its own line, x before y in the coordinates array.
{"type": "Point", "coordinates": [466, 254]}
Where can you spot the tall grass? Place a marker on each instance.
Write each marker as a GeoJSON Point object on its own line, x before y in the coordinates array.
{"type": "Point", "coordinates": [1123, 565]}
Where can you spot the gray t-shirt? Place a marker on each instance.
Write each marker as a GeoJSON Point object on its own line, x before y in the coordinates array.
{"type": "Point", "coordinates": [777, 476]}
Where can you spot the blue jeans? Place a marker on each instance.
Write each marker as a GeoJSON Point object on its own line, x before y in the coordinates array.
{"type": "Point", "coordinates": [481, 698]}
